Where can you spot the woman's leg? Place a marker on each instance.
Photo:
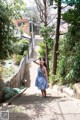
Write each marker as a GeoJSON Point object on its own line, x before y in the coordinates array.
{"type": "Point", "coordinates": [44, 93]}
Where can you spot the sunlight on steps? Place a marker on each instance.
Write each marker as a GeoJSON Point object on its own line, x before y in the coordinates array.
{"type": "Point", "coordinates": [33, 72]}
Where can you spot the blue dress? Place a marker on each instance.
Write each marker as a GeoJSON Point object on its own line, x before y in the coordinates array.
{"type": "Point", "coordinates": [41, 81]}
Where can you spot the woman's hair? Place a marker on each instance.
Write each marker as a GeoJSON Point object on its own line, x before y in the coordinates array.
{"type": "Point", "coordinates": [44, 61]}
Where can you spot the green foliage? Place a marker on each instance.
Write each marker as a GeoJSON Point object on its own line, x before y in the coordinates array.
{"type": "Point", "coordinates": [17, 58]}
{"type": "Point", "coordinates": [25, 53]}
{"type": "Point", "coordinates": [7, 13]}
{"type": "Point", "coordinates": [68, 68]}
{"type": "Point", "coordinates": [73, 15]}
{"type": "Point", "coordinates": [46, 33]}
{"type": "Point", "coordinates": [51, 76]}
{"type": "Point", "coordinates": [5, 30]}
{"type": "Point", "coordinates": [42, 50]}
{"type": "Point", "coordinates": [21, 46]}
{"type": "Point", "coordinates": [69, 58]}
{"type": "Point", "coordinates": [7, 72]}
{"type": "Point", "coordinates": [47, 38]}
{"type": "Point", "coordinates": [20, 50]}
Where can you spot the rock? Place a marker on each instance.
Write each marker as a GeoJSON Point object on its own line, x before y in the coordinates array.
{"type": "Point", "coordinates": [69, 91]}
{"type": "Point", "coordinates": [60, 88]}
{"type": "Point", "coordinates": [76, 89]}
{"type": "Point", "coordinates": [64, 89]}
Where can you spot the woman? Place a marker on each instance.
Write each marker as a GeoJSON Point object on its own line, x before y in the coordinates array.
{"type": "Point", "coordinates": [42, 77]}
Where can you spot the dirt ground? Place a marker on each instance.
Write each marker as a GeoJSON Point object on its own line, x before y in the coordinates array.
{"type": "Point", "coordinates": [32, 106]}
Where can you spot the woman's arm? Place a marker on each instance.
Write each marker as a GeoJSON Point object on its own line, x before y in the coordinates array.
{"type": "Point", "coordinates": [36, 61]}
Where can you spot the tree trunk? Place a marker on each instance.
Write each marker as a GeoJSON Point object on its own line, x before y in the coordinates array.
{"type": "Point", "coordinates": [45, 24]}
{"type": "Point", "coordinates": [47, 59]}
{"type": "Point", "coordinates": [55, 49]}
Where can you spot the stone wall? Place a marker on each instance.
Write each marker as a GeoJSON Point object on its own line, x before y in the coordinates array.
{"type": "Point", "coordinates": [16, 79]}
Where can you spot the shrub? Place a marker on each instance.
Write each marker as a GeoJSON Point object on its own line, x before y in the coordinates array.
{"type": "Point", "coordinates": [7, 72]}
{"type": "Point", "coordinates": [69, 58]}
{"type": "Point", "coordinates": [17, 59]}
{"type": "Point", "coordinates": [20, 46]}
{"type": "Point", "coordinates": [20, 50]}
{"type": "Point", "coordinates": [42, 51]}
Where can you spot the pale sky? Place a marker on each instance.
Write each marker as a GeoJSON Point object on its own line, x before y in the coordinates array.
{"type": "Point", "coordinates": [29, 3]}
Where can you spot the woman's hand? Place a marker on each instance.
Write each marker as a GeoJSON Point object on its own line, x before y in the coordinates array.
{"type": "Point", "coordinates": [36, 61]}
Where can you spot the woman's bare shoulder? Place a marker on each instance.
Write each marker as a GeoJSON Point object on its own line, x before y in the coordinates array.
{"type": "Point", "coordinates": [44, 68]}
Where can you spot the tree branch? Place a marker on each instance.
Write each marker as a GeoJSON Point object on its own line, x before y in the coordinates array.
{"type": "Point", "coordinates": [64, 7]}
{"type": "Point", "coordinates": [62, 33]}
{"type": "Point", "coordinates": [41, 17]}
{"type": "Point", "coordinates": [51, 20]}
